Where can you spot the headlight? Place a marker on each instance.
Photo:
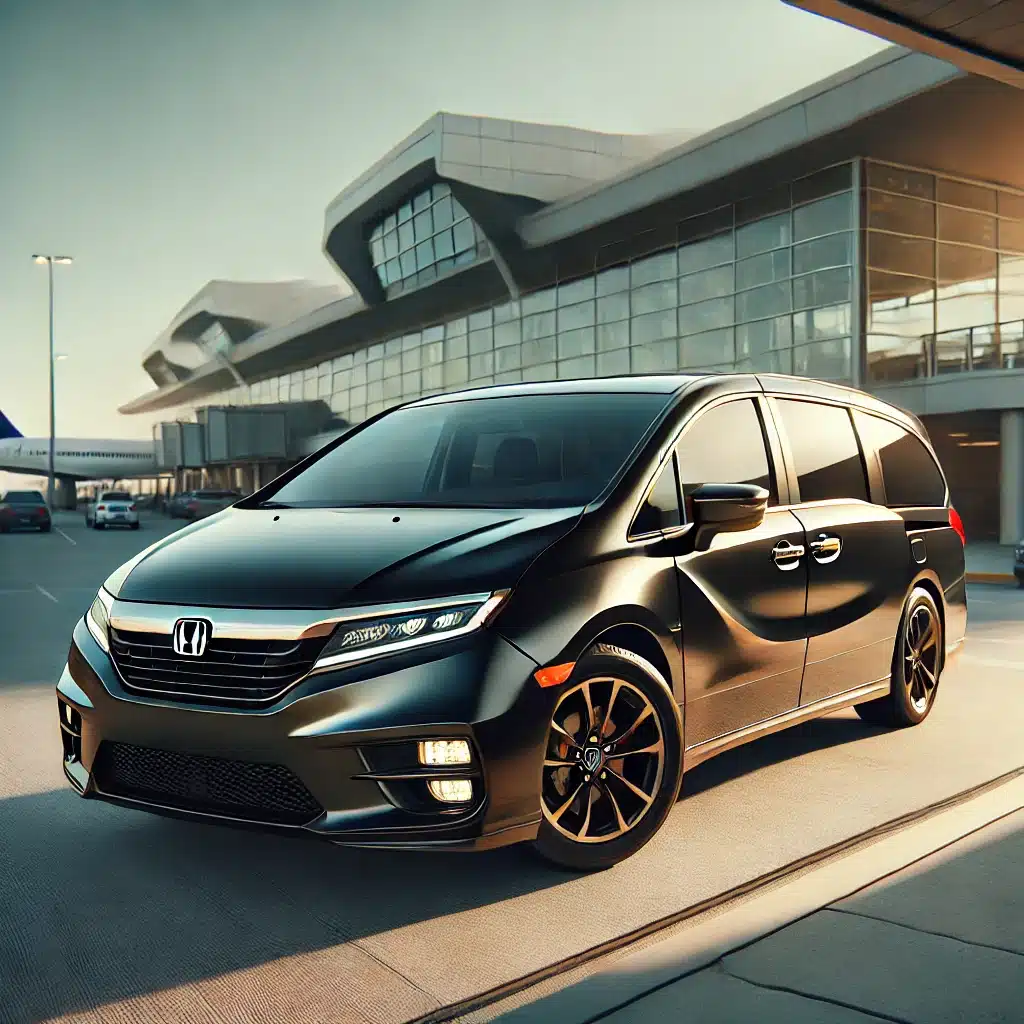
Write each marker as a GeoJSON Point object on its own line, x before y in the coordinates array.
{"type": "Point", "coordinates": [97, 618]}
{"type": "Point", "coordinates": [370, 635]}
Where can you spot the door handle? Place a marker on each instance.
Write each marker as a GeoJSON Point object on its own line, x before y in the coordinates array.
{"type": "Point", "coordinates": [786, 555]}
{"type": "Point", "coordinates": [826, 549]}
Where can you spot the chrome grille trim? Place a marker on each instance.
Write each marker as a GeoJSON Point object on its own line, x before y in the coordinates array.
{"type": "Point", "coordinates": [264, 623]}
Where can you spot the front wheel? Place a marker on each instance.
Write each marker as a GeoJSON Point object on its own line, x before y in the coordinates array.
{"type": "Point", "coordinates": [916, 666]}
{"type": "Point", "coordinates": [613, 762]}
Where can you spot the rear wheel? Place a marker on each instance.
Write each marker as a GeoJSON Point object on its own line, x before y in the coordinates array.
{"type": "Point", "coordinates": [134, 526]}
{"type": "Point", "coordinates": [97, 525]}
{"type": "Point", "coordinates": [45, 528]}
{"type": "Point", "coordinates": [613, 762]}
{"type": "Point", "coordinates": [916, 666]}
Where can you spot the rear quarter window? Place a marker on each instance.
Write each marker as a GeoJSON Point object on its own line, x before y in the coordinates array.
{"type": "Point", "coordinates": [910, 473]}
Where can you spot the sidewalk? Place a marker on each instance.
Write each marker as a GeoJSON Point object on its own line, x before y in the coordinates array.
{"type": "Point", "coordinates": [924, 925]}
{"type": "Point", "coordinates": [988, 562]}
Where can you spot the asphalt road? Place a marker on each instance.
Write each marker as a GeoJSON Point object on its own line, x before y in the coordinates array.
{"type": "Point", "coordinates": [114, 915]}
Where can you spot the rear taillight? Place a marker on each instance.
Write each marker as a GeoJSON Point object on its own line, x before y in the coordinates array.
{"type": "Point", "coordinates": [193, 506]}
{"type": "Point", "coordinates": [958, 524]}
{"type": "Point", "coordinates": [101, 508]}
{"type": "Point", "coordinates": [131, 508]}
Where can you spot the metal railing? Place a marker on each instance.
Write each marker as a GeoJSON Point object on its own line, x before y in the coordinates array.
{"type": "Point", "coordinates": [997, 346]}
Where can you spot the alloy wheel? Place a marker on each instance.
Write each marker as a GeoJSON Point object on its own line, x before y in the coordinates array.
{"type": "Point", "coordinates": [604, 762]}
{"type": "Point", "coordinates": [921, 656]}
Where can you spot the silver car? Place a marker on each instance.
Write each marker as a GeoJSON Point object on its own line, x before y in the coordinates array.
{"type": "Point", "coordinates": [112, 508]}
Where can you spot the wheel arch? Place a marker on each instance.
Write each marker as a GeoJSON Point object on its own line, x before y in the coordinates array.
{"type": "Point", "coordinates": [928, 581]}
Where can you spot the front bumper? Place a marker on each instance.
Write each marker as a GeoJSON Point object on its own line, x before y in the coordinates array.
{"type": "Point", "coordinates": [339, 746]}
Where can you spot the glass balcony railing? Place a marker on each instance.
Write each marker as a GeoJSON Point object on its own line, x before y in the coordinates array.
{"type": "Point", "coordinates": [983, 347]}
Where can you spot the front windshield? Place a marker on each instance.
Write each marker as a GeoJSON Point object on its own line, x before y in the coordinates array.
{"type": "Point", "coordinates": [521, 451]}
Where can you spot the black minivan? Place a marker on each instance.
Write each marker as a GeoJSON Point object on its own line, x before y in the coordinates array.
{"type": "Point", "coordinates": [520, 612]}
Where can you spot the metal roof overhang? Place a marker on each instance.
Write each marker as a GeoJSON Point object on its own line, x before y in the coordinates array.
{"type": "Point", "coordinates": [984, 38]}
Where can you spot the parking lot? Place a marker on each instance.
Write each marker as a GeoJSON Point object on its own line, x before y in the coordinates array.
{"type": "Point", "coordinates": [113, 915]}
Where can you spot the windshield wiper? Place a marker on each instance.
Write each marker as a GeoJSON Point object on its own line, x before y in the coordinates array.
{"type": "Point", "coordinates": [273, 504]}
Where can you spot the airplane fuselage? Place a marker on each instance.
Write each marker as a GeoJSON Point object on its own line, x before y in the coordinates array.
{"type": "Point", "coordinates": [79, 458]}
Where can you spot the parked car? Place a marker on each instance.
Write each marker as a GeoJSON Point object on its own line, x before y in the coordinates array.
{"type": "Point", "coordinates": [21, 510]}
{"type": "Point", "coordinates": [1018, 562]}
{"type": "Point", "coordinates": [112, 508]}
{"type": "Point", "coordinates": [206, 502]}
{"type": "Point", "coordinates": [519, 612]}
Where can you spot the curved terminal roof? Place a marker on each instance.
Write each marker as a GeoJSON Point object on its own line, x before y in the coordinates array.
{"type": "Point", "coordinates": [547, 198]}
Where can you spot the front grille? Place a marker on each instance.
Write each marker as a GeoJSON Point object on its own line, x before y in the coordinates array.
{"type": "Point", "coordinates": [236, 672]}
{"type": "Point", "coordinates": [254, 792]}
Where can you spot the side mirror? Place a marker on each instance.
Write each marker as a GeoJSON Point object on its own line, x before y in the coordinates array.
{"type": "Point", "coordinates": [728, 507]}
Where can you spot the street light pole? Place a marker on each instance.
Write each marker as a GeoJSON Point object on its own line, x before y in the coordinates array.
{"type": "Point", "coordinates": [50, 481]}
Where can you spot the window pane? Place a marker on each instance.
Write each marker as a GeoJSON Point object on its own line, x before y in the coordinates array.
{"type": "Point", "coordinates": [708, 349]}
{"type": "Point", "coordinates": [826, 360]}
{"type": "Point", "coordinates": [538, 302]}
{"type": "Point", "coordinates": [958, 312]}
{"type": "Point", "coordinates": [904, 255]}
{"type": "Point", "coordinates": [832, 179]}
{"type": "Point", "coordinates": [539, 325]}
{"type": "Point", "coordinates": [613, 364]}
{"type": "Point", "coordinates": [708, 253]}
{"type": "Point", "coordinates": [614, 279]}
{"type": "Point", "coordinates": [653, 268]}
{"type": "Point", "coordinates": [959, 193]}
{"type": "Point", "coordinates": [762, 336]}
{"type": "Point", "coordinates": [899, 305]}
{"type": "Point", "coordinates": [575, 291]}
{"type": "Point", "coordinates": [825, 322]}
{"type": "Point", "coordinates": [769, 266]}
{"type": "Point", "coordinates": [895, 179]}
{"type": "Point", "coordinates": [655, 357]}
{"type": "Point", "coordinates": [825, 288]}
{"type": "Point", "coordinates": [765, 301]}
{"type": "Point", "coordinates": [580, 315]}
{"type": "Point", "coordinates": [703, 316]}
{"type": "Point", "coordinates": [465, 238]}
{"type": "Point", "coordinates": [761, 235]}
{"type": "Point", "coordinates": [965, 226]}
{"type": "Point", "coordinates": [961, 264]}
{"type": "Point", "coordinates": [823, 217]}
{"type": "Point", "coordinates": [613, 307]}
{"type": "Point", "coordinates": [1011, 235]}
{"type": "Point", "coordinates": [582, 366]}
{"type": "Point", "coordinates": [830, 251]}
{"type": "Point", "coordinates": [660, 509]}
{"type": "Point", "coordinates": [537, 351]}
{"type": "Point", "coordinates": [909, 472]}
{"type": "Point", "coordinates": [653, 326]}
{"type": "Point", "coordinates": [612, 336]}
{"type": "Point", "coordinates": [576, 343]}
{"type": "Point", "coordinates": [825, 452]}
{"type": "Point", "coordinates": [443, 213]}
{"type": "Point", "coordinates": [708, 284]}
{"type": "Point", "coordinates": [1011, 287]}
{"type": "Point", "coordinates": [900, 214]}
{"type": "Point", "coordinates": [724, 445]}
{"type": "Point", "coordinates": [653, 297]}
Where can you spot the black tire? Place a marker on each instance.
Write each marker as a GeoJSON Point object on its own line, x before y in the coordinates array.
{"type": "Point", "coordinates": [134, 526]}
{"type": "Point", "coordinates": [916, 666]}
{"type": "Point", "coordinates": [637, 684]}
{"type": "Point", "coordinates": [44, 529]}
{"type": "Point", "coordinates": [97, 525]}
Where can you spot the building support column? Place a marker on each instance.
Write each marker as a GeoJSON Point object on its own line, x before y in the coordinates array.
{"type": "Point", "coordinates": [1011, 476]}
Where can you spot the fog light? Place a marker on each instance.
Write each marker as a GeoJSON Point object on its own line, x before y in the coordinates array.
{"type": "Point", "coordinates": [451, 791]}
{"type": "Point", "coordinates": [445, 752]}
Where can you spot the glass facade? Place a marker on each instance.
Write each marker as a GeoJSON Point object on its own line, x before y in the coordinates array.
{"type": "Point", "coordinates": [945, 275]}
{"type": "Point", "coordinates": [762, 285]}
{"type": "Point", "coordinates": [428, 235]}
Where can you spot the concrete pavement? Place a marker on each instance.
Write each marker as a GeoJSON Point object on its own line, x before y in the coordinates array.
{"type": "Point", "coordinates": [925, 926]}
{"type": "Point", "coordinates": [990, 563]}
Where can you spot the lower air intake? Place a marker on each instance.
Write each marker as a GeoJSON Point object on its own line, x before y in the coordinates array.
{"type": "Point", "coordinates": [254, 792]}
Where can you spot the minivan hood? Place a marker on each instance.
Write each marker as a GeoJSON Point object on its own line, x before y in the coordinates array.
{"type": "Point", "coordinates": [333, 558]}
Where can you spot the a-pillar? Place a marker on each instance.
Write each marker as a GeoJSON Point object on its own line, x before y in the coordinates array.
{"type": "Point", "coordinates": [1011, 476]}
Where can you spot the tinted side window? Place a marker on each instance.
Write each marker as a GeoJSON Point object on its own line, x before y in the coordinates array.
{"type": "Point", "coordinates": [660, 509]}
{"type": "Point", "coordinates": [725, 445]}
{"type": "Point", "coordinates": [825, 451]}
{"type": "Point", "coordinates": [911, 476]}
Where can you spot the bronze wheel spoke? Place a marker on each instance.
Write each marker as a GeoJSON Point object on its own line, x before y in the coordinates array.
{"type": "Point", "coordinates": [556, 728]}
{"type": "Point", "coordinates": [929, 639]}
{"type": "Point", "coordinates": [657, 747]}
{"type": "Point", "coordinates": [586, 821]}
{"type": "Point", "coordinates": [552, 762]}
{"type": "Point", "coordinates": [619, 819]}
{"type": "Point", "coordinates": [644, 715]}
{"type": "Point", "coordinates": [929, 678]}
{"type": "Point", "coordinates": [591, 718]}
{"type": "Point", "coordinates": [568, 803]}
{"type": "Point", "coordinates": [635, 790]}
{"type": "Point", "coordinates": [616, 686]}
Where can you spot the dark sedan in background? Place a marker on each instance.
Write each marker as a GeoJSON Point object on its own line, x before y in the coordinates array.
{"type": "Point", "coordinates": [24, 510]}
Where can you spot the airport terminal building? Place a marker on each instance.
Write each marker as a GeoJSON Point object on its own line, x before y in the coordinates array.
{"type": "Point", "coordinates": [868, 230]}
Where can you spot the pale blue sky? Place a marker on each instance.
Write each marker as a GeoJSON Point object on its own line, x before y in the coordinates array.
{"type": "Point", "coordinates": [162, 144]}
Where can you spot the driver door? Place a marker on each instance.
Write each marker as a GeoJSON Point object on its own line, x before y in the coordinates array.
{"type": "Point", "coordinates": [744, 598]}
